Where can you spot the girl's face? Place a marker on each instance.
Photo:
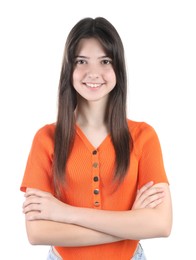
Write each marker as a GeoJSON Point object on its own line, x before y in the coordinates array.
{"type": "Point", "coordinates": [93, 75]}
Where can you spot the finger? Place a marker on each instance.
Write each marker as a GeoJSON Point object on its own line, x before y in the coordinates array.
{"type": "Point", "coordinates": [33, 215]}
{"type": "Point", "coordinates": [150, 192]}
{"type": "Point", "coordinates": [31, 200]}
{"type": "Point", "coordinates": [32, 207]}
{"type": "Point", "coordinates": [151, 199]}
{"type": "Point", "coordinates": [143, 189]}
{"type": "Point", "coordinates": [146, 187]}
{"type": "Point", "coordinates": [35, 192]}
{"type": "Point", "coordinates": [32, 192]}
{"type": "Point", "coordinates": [155, 203]}
{"type": "Point", "coordinates": [153, 190]}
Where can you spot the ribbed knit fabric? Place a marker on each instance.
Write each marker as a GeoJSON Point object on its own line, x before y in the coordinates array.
{"type": "Point", "coordinates": [89, 179]}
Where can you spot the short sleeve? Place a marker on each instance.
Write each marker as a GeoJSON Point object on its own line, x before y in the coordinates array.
{"type": "Point", "coordinates": [151, 166]}
{"type": "Point", "coordinates": [38, 171]}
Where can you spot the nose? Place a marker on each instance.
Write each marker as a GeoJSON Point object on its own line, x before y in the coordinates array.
{"type": "Point", "coordinates": [92, 76]}
{"type": "Point", "coordinates": [93, 72]}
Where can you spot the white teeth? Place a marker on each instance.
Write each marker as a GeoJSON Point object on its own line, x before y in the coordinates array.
{"type": "Point", "coordinates": [93, 85]}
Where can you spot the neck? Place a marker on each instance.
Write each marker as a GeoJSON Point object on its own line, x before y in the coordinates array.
{"type": "Point", "coordinates": [90, 113]}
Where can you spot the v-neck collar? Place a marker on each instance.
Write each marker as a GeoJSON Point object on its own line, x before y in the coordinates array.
{"type": "Point", "coordinates": [88, 144]}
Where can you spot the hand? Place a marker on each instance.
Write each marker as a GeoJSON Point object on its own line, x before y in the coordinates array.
{"type": "Point", "coordinates": [148, 196]}
{"type": "Point", "coordinates": [43, 205]}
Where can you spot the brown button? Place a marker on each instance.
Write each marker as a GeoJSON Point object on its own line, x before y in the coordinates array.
{"type": "Point", "coordinates": [94, 152]}
{"type": "Point", "coordinates": [96, 191]}
{"type": "Point", "coordinates": [96, 178]}
{"type": "Point", "coordinates": [96, 203]}
{"type": "Point", "coordinates": [95, 165]}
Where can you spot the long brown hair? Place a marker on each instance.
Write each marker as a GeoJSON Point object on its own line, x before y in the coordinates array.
{"type": "Point", "coordinates": [116, 118]}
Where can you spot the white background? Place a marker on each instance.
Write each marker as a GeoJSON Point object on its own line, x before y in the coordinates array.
{"type": "Point", "coordinates": [160, 45]}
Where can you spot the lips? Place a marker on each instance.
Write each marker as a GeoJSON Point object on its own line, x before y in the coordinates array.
{"type": "Point", "coordinates": [93, 85]}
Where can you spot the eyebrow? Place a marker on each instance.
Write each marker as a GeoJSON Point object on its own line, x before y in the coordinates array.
{"type": "Point", "coordinates": [80, 56]}
{"type": "Point", "coordinates": [85, 57]}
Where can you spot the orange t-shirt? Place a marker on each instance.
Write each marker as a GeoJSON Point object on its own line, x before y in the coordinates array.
{"type": "Point", "coordinates": [89, 179]}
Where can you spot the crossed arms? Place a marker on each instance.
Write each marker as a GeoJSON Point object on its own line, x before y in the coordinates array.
{"type": "Point", "coordinates": [52, 222]}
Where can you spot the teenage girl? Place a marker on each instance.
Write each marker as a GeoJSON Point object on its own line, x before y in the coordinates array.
{"type": "Point", "coordinates": [95, 183]}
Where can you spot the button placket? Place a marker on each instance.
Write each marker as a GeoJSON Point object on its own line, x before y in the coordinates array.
{"type": "Point", "coordinates": [95, 180]}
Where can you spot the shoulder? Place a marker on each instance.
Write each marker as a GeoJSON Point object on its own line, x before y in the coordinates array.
{"type": "Point", "coordinates": [142, 134]}
{"type": "Point", "coordinates": [140, 129]}
{"type": "Point", "coordinates": [45, 135]}
{"type": "Point", "coordinates": [46, 130]}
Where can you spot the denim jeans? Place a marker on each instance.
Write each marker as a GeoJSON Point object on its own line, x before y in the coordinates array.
{"type": "Point", "coordinates": [139, 254]}
{"type": "Point", "coordinates": [52, 255]}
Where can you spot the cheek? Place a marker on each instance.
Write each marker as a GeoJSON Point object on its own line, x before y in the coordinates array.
{"type": "Point", "coordinates": [78, 73]}
{"type": "Point", "coordinates": [75, 76]}
{"type": "Point", "coordinates": [111, 76]}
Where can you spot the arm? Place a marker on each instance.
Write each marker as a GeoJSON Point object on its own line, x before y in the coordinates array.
{"type": "Point", "coordinates": [134, 224]}
{"type": "Point", "coordinates": [40, 205]}
{"type": "Point", "coordinates": [44, 232]}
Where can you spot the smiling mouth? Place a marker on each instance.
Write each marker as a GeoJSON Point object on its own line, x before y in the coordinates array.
{"type": "Point", "coordinates": [93, 85]}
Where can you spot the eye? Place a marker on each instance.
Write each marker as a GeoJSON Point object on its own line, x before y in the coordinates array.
{"type": "Point", "coordinates": [106, 61]}
{"type": "Point", "coordinates": [80, 61]}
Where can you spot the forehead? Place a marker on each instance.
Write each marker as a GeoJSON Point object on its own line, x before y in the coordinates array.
{"type": "Point", "coordinates": [89, 45]}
